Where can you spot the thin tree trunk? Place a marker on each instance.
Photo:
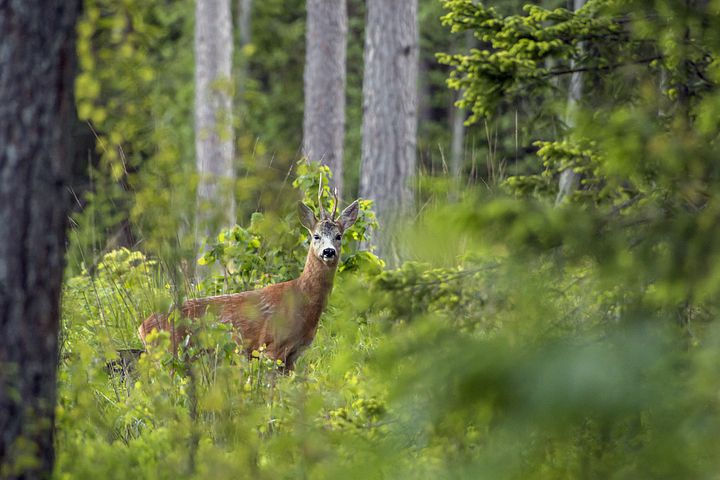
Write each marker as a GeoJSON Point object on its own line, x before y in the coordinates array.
{"type": "Point", "coordinates": [390, 102]}
{"type": "Point", "coordinates": [569, 180]}
{"type": "Point", "coordinates": [325, 72]}
{"type": "Point", "coordinates": [244, 32]}
{"type": "Point", "coordinates": [214, 145]}
{"type": "Point", "coordinates": [457, 143]}
{"type": "Point", "coordinates": [244, 22]}
{"type": "Point", "coordinates": [37, 61]}
{"type": "Point", "coordinates": [244, 27]}
{"type": "Point", "coordinates": [457, 129]}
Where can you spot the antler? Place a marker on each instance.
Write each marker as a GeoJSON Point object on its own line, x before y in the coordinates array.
{"type": "Point", "coordinates": [323, 213]}
{"type": "Point", "coordinates": [335, 197]}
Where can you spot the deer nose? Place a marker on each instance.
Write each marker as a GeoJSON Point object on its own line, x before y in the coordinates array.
{"type": "Point", "coordinates": [328, 252]}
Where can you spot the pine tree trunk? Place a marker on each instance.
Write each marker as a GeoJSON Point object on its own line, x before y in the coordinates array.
{"type": "Point", "coordinates": [390, 113]}
{"type": "Point", "coordinates": [37, 61]}
{"type": "Point", "coordinates": [569, 180]}
{"type": "Point", "coordinates": [325, 72]}
{"type": "Point", "coordinates": [244, 29]}
{"type": "Point", "coordinates": [244, 23]}
{"type": "Point", "coordinates": [457, 143]}
{"type": "Point", "coordinates": [214, 146]}
{"type": "Point", "coordinates": [241, 114]}
{"type": "Point", "coordinates": [457, 128]}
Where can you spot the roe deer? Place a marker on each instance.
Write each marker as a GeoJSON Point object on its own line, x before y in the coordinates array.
{"type": "Point", "coordinates": [284, 316]}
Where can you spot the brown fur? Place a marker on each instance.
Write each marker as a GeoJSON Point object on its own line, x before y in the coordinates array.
{"type": "Point", "coordinates": [284, 317]}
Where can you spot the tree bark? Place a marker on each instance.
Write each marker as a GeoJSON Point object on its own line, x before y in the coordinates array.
{"type": "Point", "coordinates": [569, 180]}
{"type": "Point", "coordinates": [325, 73]}
{"type": "Point", "coordinates": [244, 29]}
{"type": "Point", "coordinates": [457, 144]}
{"type": "Point", "coordinates": [214, 146]}
{"type": "Point", "coordinates": [244, 22]}
{"type": "Point", "coordinates": [457, 128]}
{"type": "Point", "coordinates": [37, 61]}
{"type": "Point", "coordinates": [390, 113]}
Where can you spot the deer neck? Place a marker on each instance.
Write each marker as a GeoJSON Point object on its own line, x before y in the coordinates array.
{"type": "Point", "coordinates": [316, 280]}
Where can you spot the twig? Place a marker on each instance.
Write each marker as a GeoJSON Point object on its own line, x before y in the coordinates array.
{"type": "Point", "coordinates": [567, 71]}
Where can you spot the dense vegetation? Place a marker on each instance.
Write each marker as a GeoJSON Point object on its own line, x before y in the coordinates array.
{"type": "Point", "coordinates": [520, 339]}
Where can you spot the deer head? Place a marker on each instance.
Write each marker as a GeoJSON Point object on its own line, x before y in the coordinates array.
{"type": "Point", "coordinates": [327, 231]}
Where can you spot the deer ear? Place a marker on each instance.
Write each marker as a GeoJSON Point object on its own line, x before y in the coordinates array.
{"type": "Point", "coordinates": [349, 215]}
{"type": "Point", "coordinates": [307, 217]}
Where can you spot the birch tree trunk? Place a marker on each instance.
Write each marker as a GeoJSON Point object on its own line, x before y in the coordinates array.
{"type": "Point", "coordinates": [569, 180]}
{"type": "Point", "coordinates": [37, 61]}
{"type": "Point", "coordinates": [325, 73]}
{"type": "Point", "coordinates": [214, 146]}
{"type": "Point", "coordinates": [390, 112]}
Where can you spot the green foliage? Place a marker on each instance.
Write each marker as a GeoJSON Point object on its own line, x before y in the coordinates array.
{"type": "Point", "coordinates": [135, 88]}
{"type": "Point", "coordinates": [273, 249]}
{"type": "Point", "coordinates": [647, 181]}
{"type": "Point", "coordinates": [101, 307]}
{"type": "Point", "coordinates": [522, 54]}
{"type": "Point", "coordinates": [209, 400]}
{"type": "Point", "coordinates": [557, 157]}
{"type": "Point", "coordinates": [459, 293]}
{"type": "Point", "coordinates": [510, 365]}
{"type": "Point", "coordinates": [308, 176]}
{"type": "Point", "coordinates": [271, 118]}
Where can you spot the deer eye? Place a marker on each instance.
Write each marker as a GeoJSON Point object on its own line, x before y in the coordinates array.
{"type": "Point", "coordinates": [316, 236]}
{"type": "Point", "coordinates": [338, 237]}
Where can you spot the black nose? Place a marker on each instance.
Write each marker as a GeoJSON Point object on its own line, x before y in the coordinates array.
{"type": "Point", "coordinates": [328, 252]}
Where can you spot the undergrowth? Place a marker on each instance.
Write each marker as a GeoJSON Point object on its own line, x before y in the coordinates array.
{"type": "Point", "coordinates": [489, 355]}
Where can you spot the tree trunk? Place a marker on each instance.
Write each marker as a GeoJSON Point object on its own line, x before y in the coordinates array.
{"type": "Point", "coordinates": [569, 180]}
{"type": "Point", "coordinates": [324, 114]}
{"type": "Point", "coordinates": [457, 127]}
{"type": "Point", "coordinates": [390, 112]}
{"type": "Point", "coordinates": [244, 28]}
{"type": "Point", "coordinates": [214, 146]}
{"type": "Point", "coordinates": [37, 61]}
{"type": "Point", "coordinates": [244, 23]}
{"type": "Point", "coordinates": [457, 144]}
{"type": "Point", "coordinates": [241, 116]}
